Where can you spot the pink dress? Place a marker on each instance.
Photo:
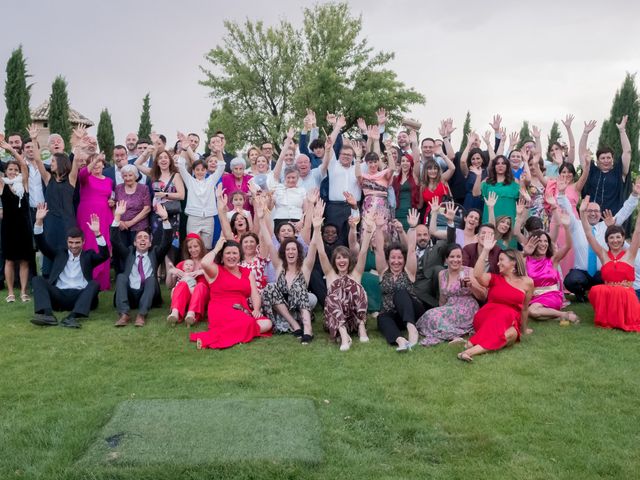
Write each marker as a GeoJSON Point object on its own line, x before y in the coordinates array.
{"type": "Point", "coordinates": [573, 196]}
{"type": "Point", "coordinates": [547, 286]}
{"type": "Point", "coordinates": [94, 197]}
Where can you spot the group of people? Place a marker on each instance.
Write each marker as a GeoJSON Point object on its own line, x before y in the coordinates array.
{"type": "Point", "coordinates": [437, 245]}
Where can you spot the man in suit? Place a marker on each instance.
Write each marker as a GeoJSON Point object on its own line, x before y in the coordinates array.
{"type": "Point", "coordinates": [430, 262]}
{"type": "Point", "coordinates": [70, 285]}
{"type": "Point", "coordinates": [114, 171]}
{"type": "Point", "coordinates": [137, 286]}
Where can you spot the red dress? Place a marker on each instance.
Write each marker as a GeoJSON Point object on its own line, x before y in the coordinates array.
{"type": "Point", "coordinates": [502, 311]}
{"type": "Point", "coordinates": [616, 306]}
{"type": "Point", "coordinates": [440, 191]}
{"type": "Point", "coordinates": [184, 301]}
{"type": "Point", "coordinates": [228, 326]}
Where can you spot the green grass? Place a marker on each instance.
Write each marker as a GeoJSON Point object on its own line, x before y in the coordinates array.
{"type": "Point", "coordinates": [562, 404]}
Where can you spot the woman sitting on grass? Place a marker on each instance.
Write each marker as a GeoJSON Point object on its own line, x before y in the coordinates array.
{"type": "Point", "coordinates": [501, 320]}
{"type": "Point", "coordinates": [397, 269]}
{"type": "Point", "coordinates": [345, 308]}
{"type": "Point", "coordinates": [288, 296]}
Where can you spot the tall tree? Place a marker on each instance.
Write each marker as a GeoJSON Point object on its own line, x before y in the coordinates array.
{"type": "Point", "coordinates": [625, 102]}
{"type": "Point", "coordinates": [525, 135]}
{"type": "Point", "coordinates": [554, 133]}
{"type": "Point", "coordinates": [144, 130]}
{"type": "Point", "coordinates": [106, 139]}
{"type": "Point", "coordinates": [223, 119]}
{"type": "Point", "coordinates": [265, 77]}
{"type": "Point", "coordinates": [466, 130]}
{"type": "Point", "coordinates": [17, 94]}
{"type": "Point", "coordinates": [59, 110]}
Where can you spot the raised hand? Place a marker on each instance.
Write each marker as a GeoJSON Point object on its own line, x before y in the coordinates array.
{"type": "Point", "coordinates": [357, 150]}
{"type": "Point", "coordinates": [381, 115]}
{"type": "Point", "coordinates": [562, 185]}
{"type": "Point", "coordinates": [290, 133]}
{"type": "Point", "coordinates": [94, 224]}
{"type": "Point", "coordinates": [413, 217]}
{"type": "Point", "coordinates": [306, 122]}
{"type": "Point", "coordinates": [531, 245]}
{"type": "Point", "coordinates": [362, 125]}
{"type": "Point", "coordinates": [311, 115]}
{"type": "Point", "coordinates": [397, 225]}
{"type": "Point", "coordinates": [476, 170]}
{"type": "Point", "coordinates": [413, 137]}
{"type": "Point", "coordinates": [495, 124]}
{"type": "Point", "coordinates": [341, 122]}
{"type": "Point", "coordinates": [33, 131]}
{"type": "Point", "coordinates": [551, 200]}
{"type": "Point", "coordinates": [317, 218]}
{"type": "Point", "coordinates": [535, 131]}
{"type": "Point", "coordinates": [328, 144]}
{"type": "Point", "coordinates": [353, 222]}
{"type": "Point", "coordinates": [350, 199]}
{"type": "Point", "coordinates": [434, 204]}
{"type": "Point", "coordinates": [319, 207]}
{"type": "Point", "coordinates": [489, 241]}
{"type": "Point", "coordinates": [514, 138]}
{"type": "Point", "coordinates": [373, 132]}
{"type": "Point", "coordinates": [608, 217]}
{"type": "Point", "coordinates": [521, 206]}
{"type": "Point", "coordinates": [487, 138]}
{"type": "Point", "coordinates": [121, 208]}
{"type": "Point", "coordinates": [589, 126]}
{"type": "Point", "coordinates": [388, 144]}
{"type": "Point", "coordinates": [565, 217]}
{"type": "Point", "coordinates": [41, 212]}
{"type": "Point", "coordinates": [623, 123]}
{"type": "Point", "coordinates": [162, 212]}
{"type": "Point", "coordinates": [79, 133]}
{"type": "Point", "coordinates": [450, 211]}
{"type": "Point", "coordinates": [369, 220]}
{"type": "Point", "coordinates": [443, 129]}
{"type": "Point", "coordinates": [503, 133]}
{"type": "Point", "coordinates": [313, 194]}
{"type": "Point", "coordinates": [584, 204]}
{"type": "Point", "coordinates": [567, 121]}
{"type": "Point", "coordinates": [331, 118]}
{"type": "Point", "coordinates": [491, 200]}
{"type": "Point", "coordinates": [449, 126]}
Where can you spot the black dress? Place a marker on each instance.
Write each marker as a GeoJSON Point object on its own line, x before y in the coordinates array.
{"type": "Point", "coordinates": [17, 234]}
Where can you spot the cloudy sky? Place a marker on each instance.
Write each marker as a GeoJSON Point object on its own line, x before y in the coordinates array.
{"type": "Point", "coordinates": [536, 61]}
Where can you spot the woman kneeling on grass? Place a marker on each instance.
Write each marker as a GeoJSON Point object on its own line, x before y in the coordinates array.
{"type": "Point", "coordinates": [345, 308]}
{"type": "Point", "coordinates": [230, 319]}
{"type": "Point", "coordinates": [499, 322]}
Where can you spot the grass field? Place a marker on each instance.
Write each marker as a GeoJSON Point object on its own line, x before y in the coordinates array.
{"type": "Point", "coordinates": [562, 404]}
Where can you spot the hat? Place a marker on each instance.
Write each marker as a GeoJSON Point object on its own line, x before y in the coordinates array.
{"type": "Point", "coordinates": [193, 235]}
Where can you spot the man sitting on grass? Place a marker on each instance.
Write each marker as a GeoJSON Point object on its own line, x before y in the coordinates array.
{"type": "Point", "coordinates": [70, 285]}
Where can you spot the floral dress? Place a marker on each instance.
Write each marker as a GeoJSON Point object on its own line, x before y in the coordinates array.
{"type": "Point", "coordinates": [454, 318]}
{"type": "Point", "coordinates": [537, 208]}
{"type": "Point", "coordinates": [295, 297]}
{"type": "Point", "coordinates": [345, 306]}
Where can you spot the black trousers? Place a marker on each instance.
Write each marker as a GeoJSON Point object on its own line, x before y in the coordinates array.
{"type": "Point", "coordinates": [318, 285]}
{"type": "Point", "coordinates": [127, 298]}
{"type": "Point", "coordinates": [47, 297]}
{"type": "Point", "coordinates": [579, 281]}
{"type": "Point", "coordinates": [408, 310]}
{"type": "Point", "coordinates": [338, 214]}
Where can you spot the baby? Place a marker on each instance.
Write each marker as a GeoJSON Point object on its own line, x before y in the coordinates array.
{"type": "Point", "coordinates": [190, 274]}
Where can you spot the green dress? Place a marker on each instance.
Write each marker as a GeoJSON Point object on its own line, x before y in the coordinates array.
{"type": "Point", "coordinates": [402, 209]}
{"type": "Point", "coordinates": [371, 284]}
{"type": "Point", "coordinates": [507, 199]}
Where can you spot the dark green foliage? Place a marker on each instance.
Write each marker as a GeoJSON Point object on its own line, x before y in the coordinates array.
{"type": "Point", "coordinates": [554, 133]}
{"type": "Point", "coordinates": [59, 110]}
{"type": "Point", "coordinates": [144, 130]}
{"type": "Point", "coordinates": [17, 94]}
{"type": "Point", "coordinates": [525, 135]}
{"type": "Point", "coordinates": [263, 78]}
{"type": "Point", "coordinates": [105, 136]}
{"type": "Point", "coordinates": [466, 130]}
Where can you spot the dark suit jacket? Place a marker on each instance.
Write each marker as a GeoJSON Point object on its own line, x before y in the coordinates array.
{"type": "Point", "coordinates": [470, 256]}
{"type": "Point", "coordinates": [110, 172]}
{"type": "Point", "coordinates": [88, 259]}
{"type": "Point", "coordinates": [128, 254]}
{"type": "Point", "coordinates": [429, 265]}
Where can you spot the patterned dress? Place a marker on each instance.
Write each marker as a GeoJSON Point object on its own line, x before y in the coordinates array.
{"type": "Point", "coordinates": [389, 286]}
{"type": "Point", "coordinates": [257, 266]}
{"type": "Point", "coordinates": [454, 318]}
{"type": "Point", "coordinates": [295, 297]}
{"type": "Point", "coordinates": [537, 209]}
{"type": "Point", "coordinates": [345, 306]}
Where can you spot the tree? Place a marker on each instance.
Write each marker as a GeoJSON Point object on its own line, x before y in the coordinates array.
{"type": "Point", "coordinates": [106, 139]}
{"type": "Point", "coordinates": [59, 110]}
{"type": "Point", "coordinates": [466, 130]}
{"type": "Point", "coordinates": [525, 136]}
{"type": "Point", "coordinates": [17, 94]}
{"type": "Point", "coordinates": [222, 119]}
{"type": "Point", "coordinates": [265, 77]}
{"type": "Point", "coordinates": [144, 130]}
{"type": "Point", "coordinates": [554, 133]}
{"type": "Point", "coordinates": [625, 102]}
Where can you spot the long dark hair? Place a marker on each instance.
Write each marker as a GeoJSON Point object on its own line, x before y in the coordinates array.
{"type": "Point", "coordinates": [415, 191]}
{"type": "Point", "coordinates": [155, 169]}
{"type": "Point", "coordinates": [492, 178]}
{"type": "Point", "coordinates": [283, 257]}
{"type": "Point", "coordinates": [228, 244]}
{"type": "Point", "coordinates": [540, 233]}
{"type": "Point", "coordinates": [63, 165]}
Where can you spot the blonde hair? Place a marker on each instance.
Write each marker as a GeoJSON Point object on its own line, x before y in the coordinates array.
{"type": "Point", "coordinates": [516, 256]}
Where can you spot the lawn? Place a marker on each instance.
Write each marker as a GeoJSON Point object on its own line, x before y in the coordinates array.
{"type": "Point", "coordinates": [562, 404]}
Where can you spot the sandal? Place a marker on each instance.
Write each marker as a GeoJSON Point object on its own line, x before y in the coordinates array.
{"type": "Point", "coordinates": [25, 298]}
{"type": "Point", "coordinates": [465, 357]}
{"type": "Point", "coordinates": [456, 340]}
{"type": "Point", "coordinates": [10, 298]}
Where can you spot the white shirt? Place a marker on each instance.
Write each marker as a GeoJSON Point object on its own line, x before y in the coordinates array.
{"type": "Point", "coordinates": [244, 212]}
{"type": "Point", "coordinates": [201, 201]}
{"type": "Point", "coordinates": [36, 193]}
{"type": "Point", "coordinates": [312, 180]}
{"type": "Point", "coordinates": [341, 180]}
{"type": "Point", "coordinates": [134, 276]}
{"type": "Point", "coordinates": [288, 201]}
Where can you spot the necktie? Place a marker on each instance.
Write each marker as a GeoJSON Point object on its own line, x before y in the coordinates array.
{"type": "Point", "coordinates": [141, 270]}
{"type": "Point", "coordinates": [592, 265]}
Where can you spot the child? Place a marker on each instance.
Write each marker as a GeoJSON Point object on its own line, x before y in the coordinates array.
{"type": "Point", "coordinates": [189, 276]}
{"type": "Point", "coordinates": [237, 199]}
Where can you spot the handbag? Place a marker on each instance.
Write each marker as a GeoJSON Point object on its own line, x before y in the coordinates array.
{"type": "Point", "coordinates": [172, 207]}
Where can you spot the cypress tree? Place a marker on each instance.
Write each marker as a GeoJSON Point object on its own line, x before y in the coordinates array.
{"type": "Point", "coordinates": [105, 136]}
{"type": "Point", "coordinates": [554, 134]}
{"type": "Point", "coordinates": [466, 129]}
{"type": "Point", "coordinates": [17, 94]}
{"type": "Point", "coordinates": [144, 130]}
{"type": "Point", "coordinates": [525, 135]}
{"type": "Point", "coordinates": [59, 110]}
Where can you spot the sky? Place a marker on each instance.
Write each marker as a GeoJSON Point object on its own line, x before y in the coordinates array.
{"type": "Point", "coordinates": [536, 61]}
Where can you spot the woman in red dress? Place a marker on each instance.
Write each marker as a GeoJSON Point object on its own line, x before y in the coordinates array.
{"type": "Point", "coordinates": [433, 183]}
{"type": "Point", "coordinates": [615, 303]}
{"type": "Point", "coordinates": [230, 319]}
{"type": "Point", "coordinates": [185, 304]}
{"type": "Point", "coordinates": [501, 320]}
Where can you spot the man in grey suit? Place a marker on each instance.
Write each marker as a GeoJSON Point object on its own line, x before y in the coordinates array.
{"type": "Point", "coordinates": [137, 286]}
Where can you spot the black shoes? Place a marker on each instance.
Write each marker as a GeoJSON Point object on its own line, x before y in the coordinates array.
{"type": "Point", "coordinates": [44, 320]}
{"type": "Point", "coordinates": [70, 322]}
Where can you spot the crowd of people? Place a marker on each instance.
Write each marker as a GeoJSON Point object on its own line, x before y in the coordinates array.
{"type": "Point", "coordinates": [437, 245]}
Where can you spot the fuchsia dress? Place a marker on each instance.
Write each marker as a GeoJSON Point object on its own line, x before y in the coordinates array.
{"type": "Point", "coordinates": [94, 198]}
{"type": "Point", "coordinates": [546, 282]}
